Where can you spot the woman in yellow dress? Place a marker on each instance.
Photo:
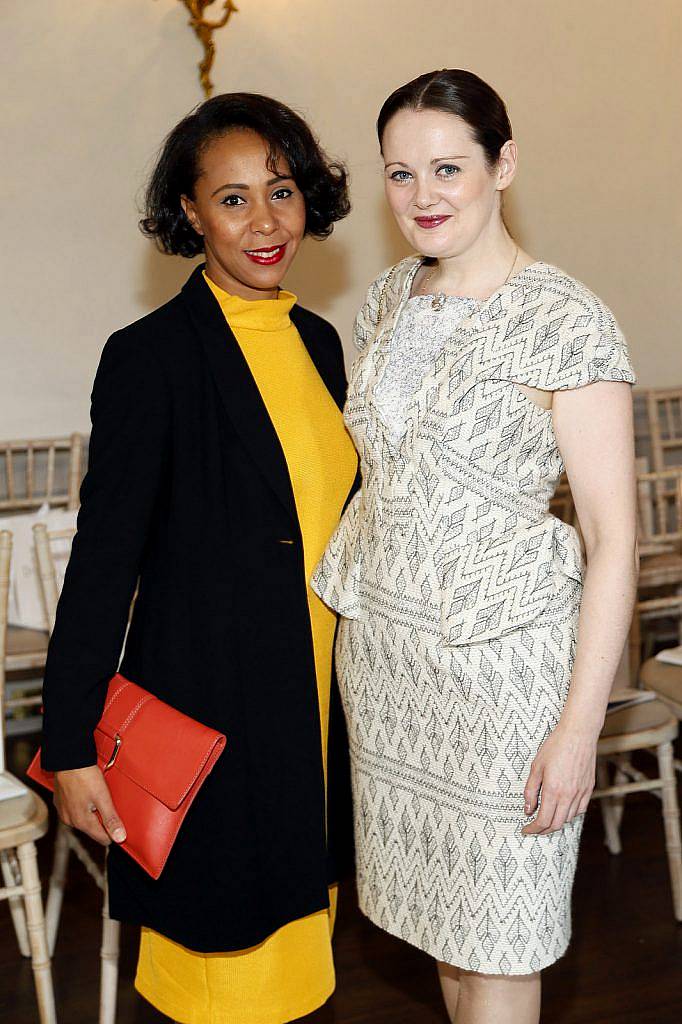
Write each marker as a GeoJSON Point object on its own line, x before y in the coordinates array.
{"type": "Point", "coordinates": [238, 929]}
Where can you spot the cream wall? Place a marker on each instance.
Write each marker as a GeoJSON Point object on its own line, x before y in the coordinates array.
{"type": "Point", "coordinates": [594, 89]}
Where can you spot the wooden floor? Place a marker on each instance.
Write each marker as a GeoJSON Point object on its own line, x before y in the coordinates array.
{"type": "Point", "coordinates": [624, 965]}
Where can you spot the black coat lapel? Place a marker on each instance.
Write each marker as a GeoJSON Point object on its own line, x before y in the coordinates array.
{"type": "Point", "coordinates": [238, 389]}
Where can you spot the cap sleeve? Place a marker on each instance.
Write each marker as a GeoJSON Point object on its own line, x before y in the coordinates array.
{"type": "Point", "coordinates": [573, 339]}
{"type": "Point", "coordinates": [592, 351]}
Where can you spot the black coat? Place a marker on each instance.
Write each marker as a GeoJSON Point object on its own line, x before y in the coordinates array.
{"type": "Point", "coordinates": [187, 488]}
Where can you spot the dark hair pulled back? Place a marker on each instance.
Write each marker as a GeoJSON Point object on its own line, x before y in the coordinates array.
{"type": "Point", "coordinates": [455, 92]}
{"type": "Point", "coordinates": [324, 183]}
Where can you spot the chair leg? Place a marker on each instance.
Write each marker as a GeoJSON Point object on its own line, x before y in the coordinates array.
{"type": "Point", "coordinates": [55, 892]}
{"type": "Point", "coordinates": [109, 964]}
{"type": "Point", "coordinates": [618, 802]}
{"type": "Point", "coordinates": [671, 822]}
{"type": "Point", "coordinates": [12, 876]}
{"type": "Point", "coordinates": [37, 936]}
{"type": "Point", "coordinates": [608, 813]}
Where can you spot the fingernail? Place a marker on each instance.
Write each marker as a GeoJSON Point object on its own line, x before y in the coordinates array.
{"type": "Point", "coordinates": [118, 835]}
{"type": "Point", "coordinates": [527, 808]}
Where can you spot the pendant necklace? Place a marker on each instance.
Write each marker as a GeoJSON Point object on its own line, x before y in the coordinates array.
{"type": "Point", "coordinates": [438, 301]}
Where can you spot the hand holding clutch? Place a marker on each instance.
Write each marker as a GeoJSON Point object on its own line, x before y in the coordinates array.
{"type": "Point", "coordinates": [83, 801]}
{"type": "Point", "coordinates": [154, 760]}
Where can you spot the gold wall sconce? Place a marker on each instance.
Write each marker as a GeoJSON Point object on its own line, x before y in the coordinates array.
{"type": "Point", "coordinates": [204, 29]}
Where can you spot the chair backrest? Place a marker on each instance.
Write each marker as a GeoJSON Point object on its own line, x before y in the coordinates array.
{"type": "Point", "coordinates": [665, 428]}
{"type": "Point", "coordinates": [640, 408]}
{"type": "Point", "coordinates": [47, 568]}
{"type": "Point", "coordinates": [5, 559]}
{"type": "Point", "coordinates": [659, 508]}
{"type": "Point", "coordinates": [33, 473]}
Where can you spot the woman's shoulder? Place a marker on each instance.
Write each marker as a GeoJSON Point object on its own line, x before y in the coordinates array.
{"type": "Point", "coordinates": [149, 325]}
{"type": "Point", "coordinates": [391, 282]}
{"type": "Point", "coordinates": [383, 293]}
{"type": "Point", "coordinates": [576, 338]}
{"type": "Point", "coordinates": [144, 356]}
{"type": "Point", "coordinates": [566, 295]}
{"type": "Point", "coordinates": [150, 335]}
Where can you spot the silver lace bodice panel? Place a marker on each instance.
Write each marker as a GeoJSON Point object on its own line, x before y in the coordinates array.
{"type": "Point", "coordinates": [419, 337]}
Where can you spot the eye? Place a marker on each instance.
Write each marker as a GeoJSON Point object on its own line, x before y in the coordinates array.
{"type": "Point", "coordinates": [449, 170]}
{"type": "Point", "coordinates": [282, 193]}
{"type": "Point", "coordinates": [232, 200]}
{"type": "Point", "coordinates": [400, 176]}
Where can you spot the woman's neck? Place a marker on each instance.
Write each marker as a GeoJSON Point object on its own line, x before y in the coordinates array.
{"type": "Point", "coordinates": [233, 286]}
{"type": "Point", "coordinates": [480, 270]}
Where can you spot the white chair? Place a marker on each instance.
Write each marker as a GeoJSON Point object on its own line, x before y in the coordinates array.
{"type": "Point", "coordinates": [648, 726]}
{"type": "Point", "coordinates": [666, 682]}
{"type": "Point", "coordinates": [33, 473]}
{"type": "Point", "coordinates": [665, 425]}
{"type": "Point", "coordinates": [23, 820]}
{"type": "Point", "coordinates": [67, 841]}
{"type": "Point", "coordinates": [40, 472]}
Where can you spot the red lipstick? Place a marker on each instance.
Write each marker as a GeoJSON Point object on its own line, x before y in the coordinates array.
{"type": "Point", "coordinates": [432, 222]}
{"type": "Point", "coordinates": [268, 255]}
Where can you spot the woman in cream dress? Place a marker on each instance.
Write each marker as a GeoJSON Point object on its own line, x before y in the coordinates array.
{"type": "Point", "coordinates": [476, 653]}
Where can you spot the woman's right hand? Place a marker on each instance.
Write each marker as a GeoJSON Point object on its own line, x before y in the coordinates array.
{"type": "Point", "coordinates": [80, 795]}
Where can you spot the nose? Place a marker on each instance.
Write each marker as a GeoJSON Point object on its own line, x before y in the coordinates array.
{"type": "Point", "coordinates": [424, 195]}
{"type": "Point", "coordinates": [264, 221]}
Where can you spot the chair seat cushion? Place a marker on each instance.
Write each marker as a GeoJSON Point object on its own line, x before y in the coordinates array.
{"type": "Point", "coordinates": [26, 641]}
{"type": "Point", "coordinates": [663, 678]}
{"type": "Point", "coordinates": [636, 718]}
{"type": "Point", "coordinates": [22, 820]}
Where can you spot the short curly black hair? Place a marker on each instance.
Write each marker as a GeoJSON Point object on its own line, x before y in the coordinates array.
{"type": "Point", "coordinates": [324, 183]}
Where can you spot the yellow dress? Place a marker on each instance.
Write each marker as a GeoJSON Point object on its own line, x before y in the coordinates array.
{"type": "Point", "coordinates": [291, 973]}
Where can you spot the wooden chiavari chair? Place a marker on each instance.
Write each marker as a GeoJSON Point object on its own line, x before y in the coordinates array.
{"type": "Point", "coordinates": [648, 726]}
{"type": "Point", "coordinates": [67, 841]}
{"type": "Point", "coordinates": [39, 472]}
{"type": "Point", "coordinates": [32, 474]}
{"type": "Point", "coordinates": [659, 506]}
{"type": "Point", "coordinates": [23, 820]}
{"type": "Point", "coordinates": [665, 678]}
{"type": "Point", "coordinates": [665, 427]}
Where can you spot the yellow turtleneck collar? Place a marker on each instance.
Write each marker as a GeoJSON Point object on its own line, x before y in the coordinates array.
{"type": "Point", "coordinates": [254, 314]}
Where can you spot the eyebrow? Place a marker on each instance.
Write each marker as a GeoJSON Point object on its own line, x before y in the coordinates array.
{"type": "Point", "coordinates": [245, 188]}
{"type": "Point", "coordinates": [438, 160]}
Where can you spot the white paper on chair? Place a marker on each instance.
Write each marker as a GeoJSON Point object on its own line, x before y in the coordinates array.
{"type": "Point", "coordinates": [10, 788]}
{"type": "Point", "coordinates": [672, 655]}
{"type": "Point", "coordinates": [26, 606]}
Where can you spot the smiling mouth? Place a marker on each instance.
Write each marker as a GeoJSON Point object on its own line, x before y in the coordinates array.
{"type": "Point", "coordinates": [268, 255]}
{"type": "Point", "coordinates": [432, 222]}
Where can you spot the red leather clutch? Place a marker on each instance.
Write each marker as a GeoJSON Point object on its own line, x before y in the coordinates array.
{"type": "Point", "coordinates": [155, 760]}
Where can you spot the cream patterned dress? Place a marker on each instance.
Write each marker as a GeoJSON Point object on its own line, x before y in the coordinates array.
{"type": "Point", "coordinates": [460, 596]}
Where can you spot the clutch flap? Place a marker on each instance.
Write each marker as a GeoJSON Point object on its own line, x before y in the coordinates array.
{"type": "Point", "coordinates": [158, 748]}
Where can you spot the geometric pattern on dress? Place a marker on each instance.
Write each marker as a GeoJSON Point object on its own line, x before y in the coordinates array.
{"type": "Point", "coordinates": [438, 779]}
{"type": "Point", "coordinates": [460, 595]}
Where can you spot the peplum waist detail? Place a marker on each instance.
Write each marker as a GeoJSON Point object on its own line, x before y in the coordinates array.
{"type": "Point", "coordinates": [461, 591]}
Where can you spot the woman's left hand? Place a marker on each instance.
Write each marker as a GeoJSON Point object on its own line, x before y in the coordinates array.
{"type": "Point", "coordinates": [563, 775]}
